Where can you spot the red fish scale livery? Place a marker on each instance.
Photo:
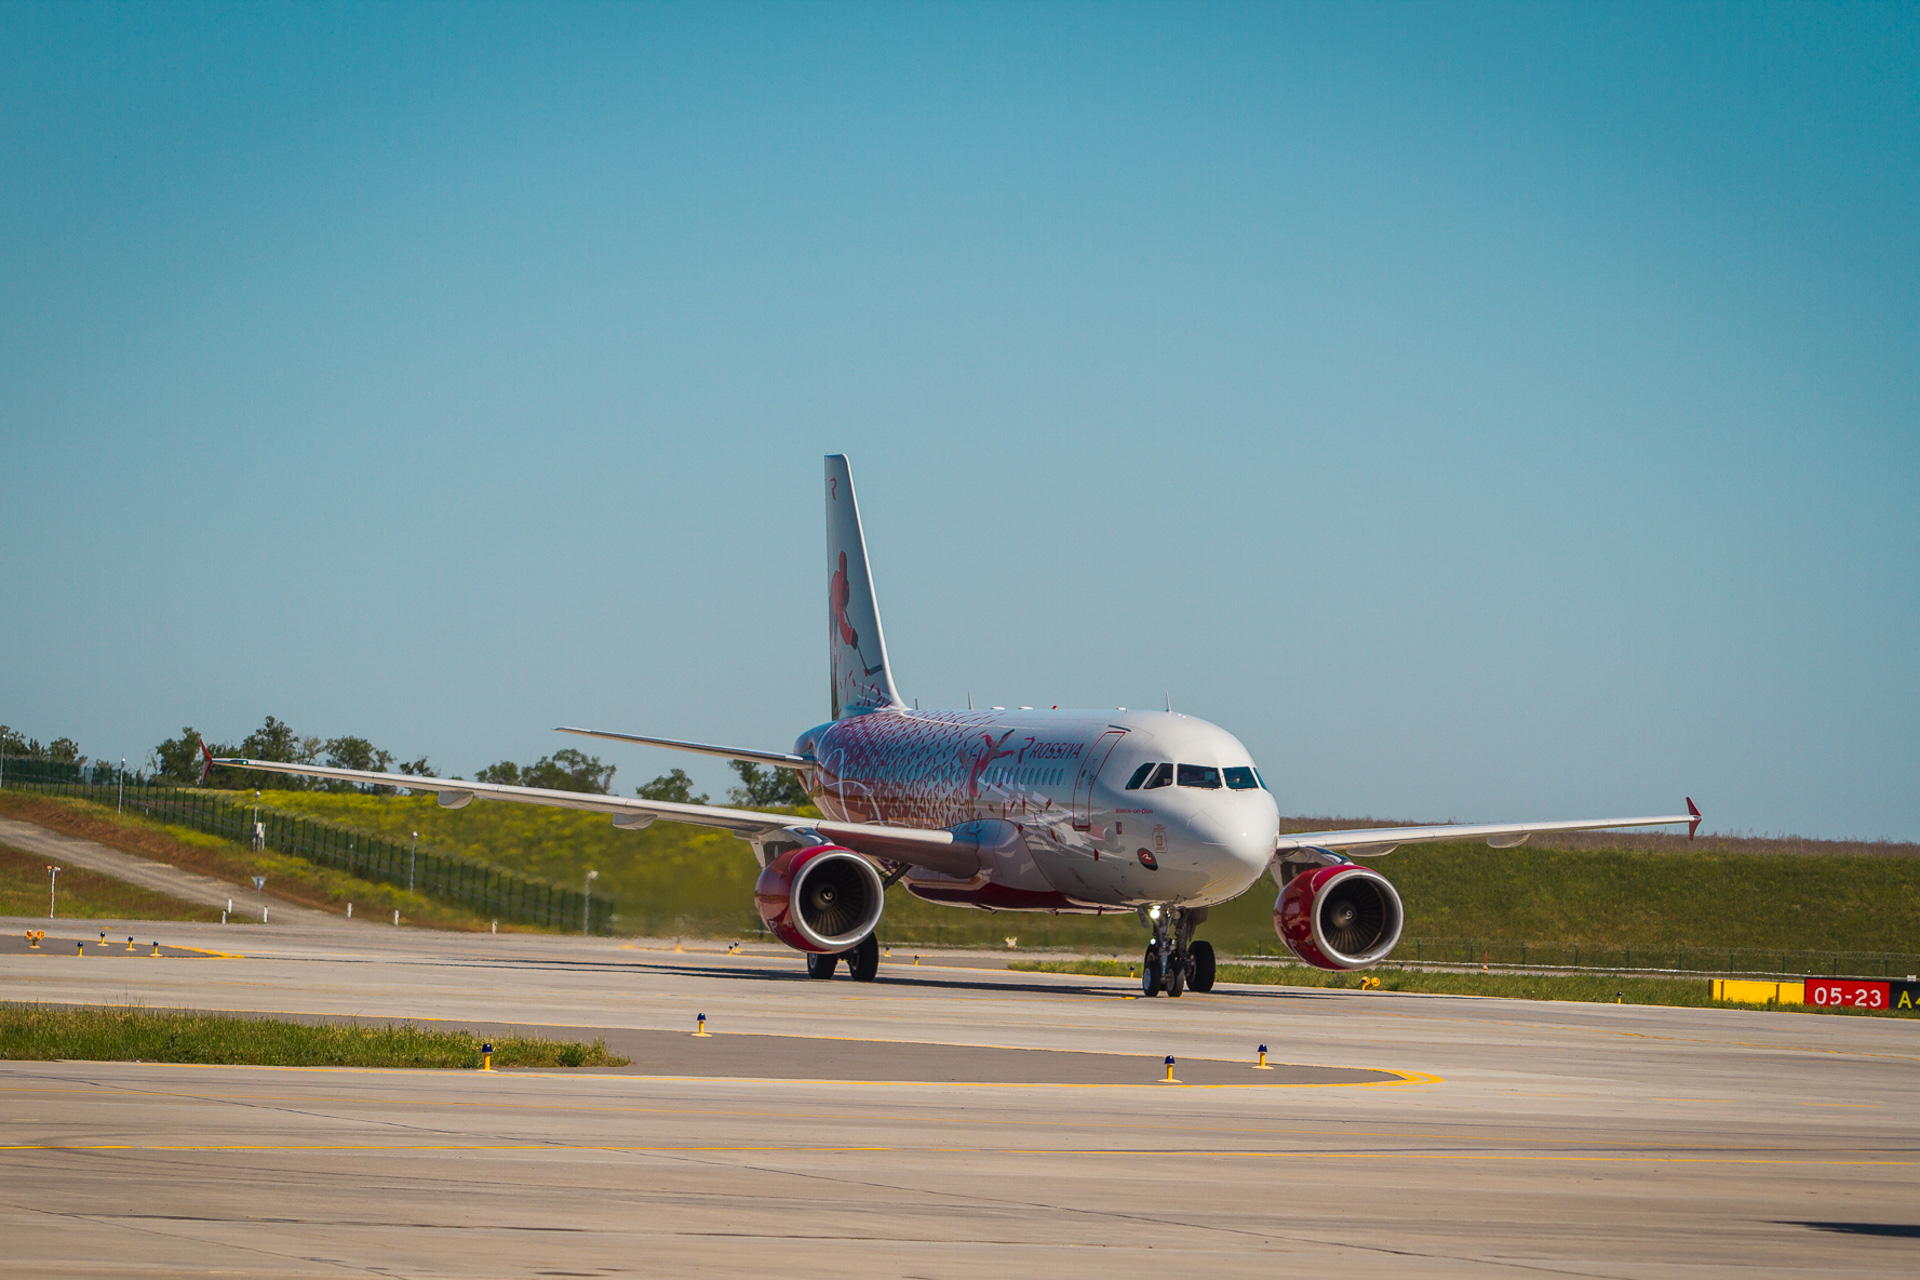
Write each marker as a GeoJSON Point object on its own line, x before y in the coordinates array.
{"type": "Point", "coordinates": [921, 769]}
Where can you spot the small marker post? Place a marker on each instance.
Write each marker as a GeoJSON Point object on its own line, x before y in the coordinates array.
{"type": "Point", "coordinates": [486, 1056]}
{"type": "Point", "coordinates": [1262, 1064]}
{"type": "Point", "coordinates": [700, 1024]}
{"type": "Point", "coordinates": [156, 949]}
{"type": "Point", "coordinates": [82, 949]}
{"type": "Point", "coordinates": [129, 944]}
{"type": "Point", "coordinates": [1169, 1079]}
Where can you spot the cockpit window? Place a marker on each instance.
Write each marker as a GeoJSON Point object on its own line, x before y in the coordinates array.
{"type": "Point", "coordinates": [1199, 775]}
{"type": "Point", "coordinates": [1139, 776]}
{"type": "Point", "coordinates": [1162, 776]}
{"type": "Point", "coordinates": [1241, 778]}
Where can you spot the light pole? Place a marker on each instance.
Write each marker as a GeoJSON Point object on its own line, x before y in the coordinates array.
{"type": "Point", "coordinates": [410, 857]}
{"type": "Point", "coordinates": [586, 904]}
{"type": "Point", "coordinates": [120, 802]}
{"type": "Point", "coordinates": [53, 877]}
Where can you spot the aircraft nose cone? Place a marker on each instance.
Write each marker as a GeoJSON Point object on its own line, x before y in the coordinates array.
{"type": "Point", "coordinates": [1244, 832]}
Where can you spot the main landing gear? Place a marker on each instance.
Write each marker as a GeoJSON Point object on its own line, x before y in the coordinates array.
{"type": "Point", "coordinates": [863, 961]}
{"type": "Point", "coordinates": [1174, 961]}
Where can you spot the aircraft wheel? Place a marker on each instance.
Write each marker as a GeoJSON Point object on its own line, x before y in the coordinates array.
{"type": "Point", "coordinates": [863, 962]}
{"type": "Point", "coordinates": [1202, 979]}
{"type": "Point", "coordinates": [1150, 973]}
{"type": "Point", "coordinates": [821, 966]}
{"type": "Point", "coordinates": [1176, 979]}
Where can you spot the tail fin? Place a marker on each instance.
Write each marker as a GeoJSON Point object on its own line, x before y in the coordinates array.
{"type": "Point", "coordinates": [862, 680]}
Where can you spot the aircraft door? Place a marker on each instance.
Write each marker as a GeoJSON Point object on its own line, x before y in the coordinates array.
{"type": "Point", "coordinates": [1090, 766]}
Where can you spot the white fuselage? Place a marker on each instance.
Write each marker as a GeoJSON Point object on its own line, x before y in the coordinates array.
{"type": "Point", "coordinates": [1046, 795]}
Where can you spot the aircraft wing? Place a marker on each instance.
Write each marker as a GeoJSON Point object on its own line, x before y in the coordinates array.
{"type": "Point", "coordinates": [936, 850]}
{"type": "Point", "coordinates": [1374, 842]}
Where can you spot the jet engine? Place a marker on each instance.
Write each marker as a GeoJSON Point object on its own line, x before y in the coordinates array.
{"type": "Point", "coordinates": [819, 898]}
{"type": "Point", "coordinates": [1339, 917]}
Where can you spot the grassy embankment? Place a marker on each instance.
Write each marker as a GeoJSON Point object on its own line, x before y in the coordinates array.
{"type": "Point", "coordinates": [84, 895]}
{"type": "Point", "coordinates": [33, 1033]}
{"type": "Point", "coordinates": [678, 880]}
{"type": "Point", "coordinates": [1585, 988]}
{"type": "Point", "coordinates": [289, 879]}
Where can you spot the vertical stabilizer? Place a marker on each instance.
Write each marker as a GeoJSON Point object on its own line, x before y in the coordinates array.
{"type": "Point", "coordinates": [861, 678]}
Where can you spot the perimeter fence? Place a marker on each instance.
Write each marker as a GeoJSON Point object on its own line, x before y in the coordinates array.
{"type": "Point", "coordinates": [480, 886]}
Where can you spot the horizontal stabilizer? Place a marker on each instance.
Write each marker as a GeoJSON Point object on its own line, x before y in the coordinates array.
{"type": "Point", "coordinates": [783, 759]}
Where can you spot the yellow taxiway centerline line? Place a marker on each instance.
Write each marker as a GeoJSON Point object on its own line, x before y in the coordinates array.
{"type": "Point", "coordinates": [528, 1073]}
{"type": "Point", "coordinates": [1129, 1153]}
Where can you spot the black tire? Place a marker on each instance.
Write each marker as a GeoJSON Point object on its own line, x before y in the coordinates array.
{"type": "Point", "coordinates": [1176, 979]}
{"type": "Point", "coordinates": [863, 962]}
{"type": "Point", "coordinates": [1202, 979]}
{"type": "Point", "coordinates": [1150, 974]}
{"type": "Point", "coordinates": [821, 966]}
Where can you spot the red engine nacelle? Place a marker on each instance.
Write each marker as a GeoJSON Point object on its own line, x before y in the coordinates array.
{"type": "Point", "coordinates": [1341, 917]}
{"type": "Point", "coordinates": [819, 898]}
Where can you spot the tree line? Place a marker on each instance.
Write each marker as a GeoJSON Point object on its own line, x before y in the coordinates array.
{"type": "Point", "coordinates": [15, 745]}
{"type": "Point", "coordinates": [180, 759]}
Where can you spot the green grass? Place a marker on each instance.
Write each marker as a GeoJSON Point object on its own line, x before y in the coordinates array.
{"type": "Point", "coordinates": [288, 878]}
{"type": "Point", "coordinates": [36, 1033]}
{"type": "Point", "coordinates": [84, 895]}
{"type": "Point", "coordinates": [1586, 988]}
{"type": "Point", "coordinates": [673, 879]}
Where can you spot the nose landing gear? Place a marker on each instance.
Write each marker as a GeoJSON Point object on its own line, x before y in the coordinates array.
{"type": "Point", "coordinates": [1174, 961]}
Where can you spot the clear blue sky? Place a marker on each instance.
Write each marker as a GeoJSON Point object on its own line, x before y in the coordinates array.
{"type": "Point", "coordinates": [1487, 412]}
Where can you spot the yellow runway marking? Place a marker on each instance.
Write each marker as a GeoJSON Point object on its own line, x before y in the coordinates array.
{"type": "Point", "coordinates": [1128, 1153]}
{"type": "Point", "coordinates": [1400, 1078]}
{"type": "Point", "coordinates": [352, 1108]}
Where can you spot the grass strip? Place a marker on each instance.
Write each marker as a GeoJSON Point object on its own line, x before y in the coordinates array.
{"type": "Point", "coordinates": [84, 894]}
{"type": "Point", "coordinates": [289, 879]}
{"type": "Point", "coordinates": [1591, 988]}
{"type": "Point", "coordinates": [40, 1034]}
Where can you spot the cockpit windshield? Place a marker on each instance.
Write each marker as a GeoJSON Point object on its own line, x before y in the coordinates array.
{"type": "Point", "coordinates": [1241, 777]}
{"type": "Point", "coordinates": [1162, 776]}
{"type": "Point", "coordinates": [1200, 775]}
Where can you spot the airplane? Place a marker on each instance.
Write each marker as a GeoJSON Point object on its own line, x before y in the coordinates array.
{"type": "Point", "coordinates": [1151, 813]}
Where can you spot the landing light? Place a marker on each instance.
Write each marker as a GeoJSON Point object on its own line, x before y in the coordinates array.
{"type": "Point", "coordinates": [1153, 913]}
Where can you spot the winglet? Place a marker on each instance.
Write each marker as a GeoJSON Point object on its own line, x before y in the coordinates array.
{"type": "Point", "coordinates": [206, 768]}
{"type": "Point", "coordinates": [1693, 809]}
